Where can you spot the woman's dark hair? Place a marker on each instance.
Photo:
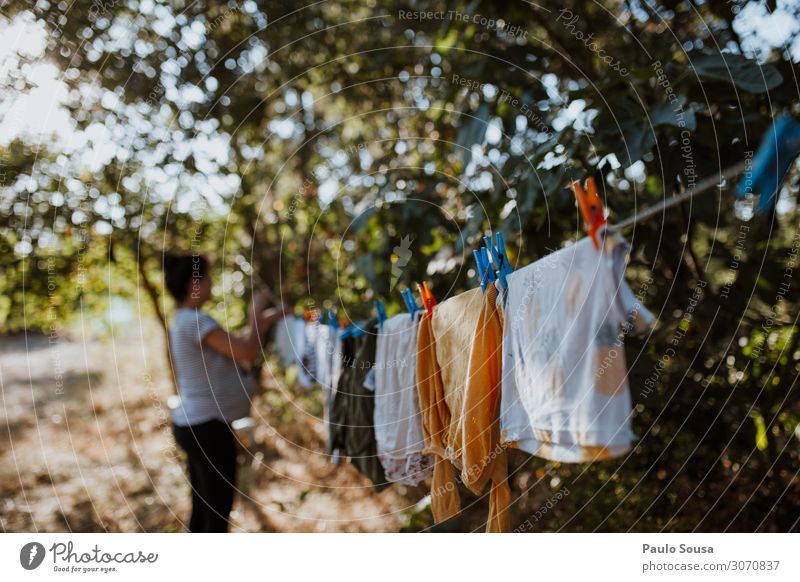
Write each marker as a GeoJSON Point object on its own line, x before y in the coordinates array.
{"type": "Point", "coordinates": [180, 269]}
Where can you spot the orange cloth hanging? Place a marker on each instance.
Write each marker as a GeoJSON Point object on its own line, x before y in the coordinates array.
{"type": "Point", "coordinates": [445, 503]}
{"type": "Point", "coordinates": [483, 457]}
{"type": "Point", "coordinates": [443, 370]}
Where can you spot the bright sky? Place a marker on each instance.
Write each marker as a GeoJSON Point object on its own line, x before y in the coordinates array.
{"type": "Point", "coordinates": [38, 115]}
{"type": "Point", "coordinates": [39, 112]}
{"type": "Point", "coordinates": [764, 30]}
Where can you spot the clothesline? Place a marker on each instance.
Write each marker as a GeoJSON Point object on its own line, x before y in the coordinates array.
{"type": "Point", "coordinates": [704, 186]}
{"type": "Point", "coordinates": [426, 396]}
{"type": "Point", "coordinates": [779, 148]}
{"type": "Point", "coordinates": [491, 374]}
{"type": "Point", "coordinates": [777, 151]}
{"type": "Point", "coordinates": [532, 360]}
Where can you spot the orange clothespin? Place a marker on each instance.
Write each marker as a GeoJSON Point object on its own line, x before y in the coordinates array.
{"type": "Point", "coordinates": [428, 300]}
{"type": "Point", "coordinates": [591, 208]}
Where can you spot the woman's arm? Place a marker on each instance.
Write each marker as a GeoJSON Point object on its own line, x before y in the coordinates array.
{"type": "Point", "coordinates": [246, 347]}
{"type": "Point", "coordinates": [236, 348]}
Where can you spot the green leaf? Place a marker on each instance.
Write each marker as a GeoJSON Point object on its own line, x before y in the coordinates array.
{"type": "Point", "coordinates": [637, 139]}
{"type": "Point", "coordinates": [526, 198]}
{"type": "Point", "coordinates": [365, 265]}
{"type": "Point", "coordinates": [444, 44]}
{"type": "Point", "coordinates": [761, 430]}
{"type": "Point", "coordinates": [472, 131]}
{"type": "Point", "coordinates": [360, 221]}
{"type": "Point", "coordinates": [675, 114]}
{"type": "Point", "coordinates": [746, 74]}
{"type": "Point", "coordinates": [475, 216]}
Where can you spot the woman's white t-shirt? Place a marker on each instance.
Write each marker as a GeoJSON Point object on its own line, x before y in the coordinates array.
{"type": "Point", "coordinates": [211, 386]}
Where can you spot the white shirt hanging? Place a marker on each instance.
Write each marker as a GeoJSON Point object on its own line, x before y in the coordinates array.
{"type": "Point", "coordinates": [565, 393]}
{"type": "Point", "coordinates": [398, 423]}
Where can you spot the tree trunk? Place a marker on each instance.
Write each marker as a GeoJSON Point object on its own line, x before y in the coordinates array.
{"type": "Point", "coordinates": [153, 294]}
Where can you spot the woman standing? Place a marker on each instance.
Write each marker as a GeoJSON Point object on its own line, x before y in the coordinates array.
{"type": "Point", "coordinates": [214, 387]}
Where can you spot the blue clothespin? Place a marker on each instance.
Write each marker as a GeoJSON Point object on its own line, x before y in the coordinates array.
{"type": "Point", "coordinates": [405, 300]}
{"type": "Point", "coordinates": [485, 271]}
{"type": "Point", "coordinates": [356, 329]}
{"type": "Point", "coordinates": [779, 148]}
{"type": "Point", "coordinates": [333, 322]}
{"type": "Point", "coordinates": [501, 274]}
{"type": "Point", "coordinates": [498, 258]}
{"type": "Point", "coordinates": [381, 312]}
{"type": "Point", "coordinates": [411, 304]}
{"type": "Point", "coordinates": [501, 250]}
{"type": "Point", "coordinates": [480, 270]}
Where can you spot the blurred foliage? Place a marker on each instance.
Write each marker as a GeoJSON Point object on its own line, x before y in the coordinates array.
{"type": "Point", "coordinates": [349, 125]}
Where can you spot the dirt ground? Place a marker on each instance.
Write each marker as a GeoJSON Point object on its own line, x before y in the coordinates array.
{"type": "Point", "coordinates": [86, 445]}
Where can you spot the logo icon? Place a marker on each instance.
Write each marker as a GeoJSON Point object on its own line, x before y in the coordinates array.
{"type": "Point", "coordinates": [31, 555]}
{"type": "Point", "coordinates": [403, 256]}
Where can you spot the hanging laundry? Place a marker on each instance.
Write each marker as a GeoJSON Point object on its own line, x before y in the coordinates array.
{"type": "Point", "coordinates": [337, 362]}
{"type": "Point", "coordinates": [301, 346]}
{"type": "Point", "coordinates": [565, 394]}
{"type": "Point", "coordinates": [484, 457]}
{"type": "Point", "coordinates": [398, 424]}
{"type": "Point", "coordinates": [311, 331]}
{"type": "Point", "coordinates": [324, 348]}
{"type": "Point", "coordinates": [443, 359]}
{"type": "Point", "coordinates": [369, 380]}
{"type": "Point", "coordinates": [352, 430]}
{"type": "Point", "coordinates": [289, 340]}
{"type": "Point", "coordinates": [332, 381]}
